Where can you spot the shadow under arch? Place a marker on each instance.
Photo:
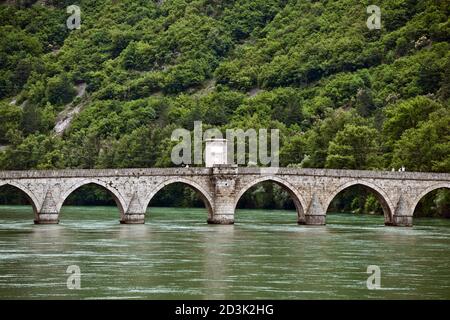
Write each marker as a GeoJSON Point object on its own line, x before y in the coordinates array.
{"type": "Point", "coordinates": [299, 202]}
{"type": "Point", "coordinates": [28, 194]}
{"type": "Point", "coordinates": [204, 195]}
{"type": "Point", "coordinates": [380, 195]}
{"type": "Point", "coordinates": [120, 203]}
{"type": "Point", "coordinates": [426, 192]}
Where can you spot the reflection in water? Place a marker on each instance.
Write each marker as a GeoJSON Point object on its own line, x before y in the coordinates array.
{"type": "Point", "coordinates": [177, 255]}
{"type": "Point", "coordinates": [217, 244]}
{"type": "Point", "coordinates": [136, 232]}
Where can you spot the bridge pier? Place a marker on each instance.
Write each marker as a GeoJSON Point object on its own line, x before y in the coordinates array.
{"type": "Point", "coordinates": [315, 214]}
{"type": "Point", "coordinates": [402, 221]}
{"type": "Point", "coordinates": [403, 213]}
{"type": "Point", "coordinates": [49, 213]}
{"type": "Point", "coordinates": [223, 211]}
{"type": "Point", "coordinates": [224, 184]}
{"type": "Point", "coordinates": [314, 220]}
{"type": "Point", "coordinates": [221, 219]}
{"type": "Point", "coordinates": [47, 218]}
{"type": "Point", "coordinates": [133, 218]}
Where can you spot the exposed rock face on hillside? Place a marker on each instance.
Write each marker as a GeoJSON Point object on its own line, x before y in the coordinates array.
{"type": "Point", "coordinates": [65, 117]}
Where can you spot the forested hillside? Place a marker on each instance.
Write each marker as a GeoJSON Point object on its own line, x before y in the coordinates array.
{"type": "Point", "coordinates": [111, 93]}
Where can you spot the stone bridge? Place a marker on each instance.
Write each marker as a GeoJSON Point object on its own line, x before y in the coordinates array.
{"type": "Point", "coordinates": [221, 187]}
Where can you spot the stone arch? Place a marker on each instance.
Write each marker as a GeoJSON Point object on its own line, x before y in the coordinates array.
{"type": "Point", "coordinates": [382, 197]}
{"type": "Point", "coordinates": [28, 193]}
{"type": "Point", "coordinates": [204, 195]}
{"type": "Point", "coordinates": [431, 188]}
{"type": "Point", "coordinates": [118, 198]}
{"type": "Point", "coordinates": [299, 202]}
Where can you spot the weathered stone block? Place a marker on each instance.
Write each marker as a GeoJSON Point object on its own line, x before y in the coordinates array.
{"type": "Point", "coordinates": [133, 219]}
{"type": "Point", "coordinates": [402, 221]}
{"type": "Point", "coordinates": [221, 219]}
{"type": "Point", "coordinates": [47, 218]}
{"type": "Point", "coordinates": [314, 220]}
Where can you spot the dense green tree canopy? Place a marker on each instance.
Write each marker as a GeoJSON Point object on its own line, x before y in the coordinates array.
{"type": "Point", "coordinates": [343, 96]}
{"type": "Point", "coordinates": [311, 69]}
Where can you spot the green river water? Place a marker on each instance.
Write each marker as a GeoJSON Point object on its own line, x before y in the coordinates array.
{"type": "Point", "coordinates": [176, 255]}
